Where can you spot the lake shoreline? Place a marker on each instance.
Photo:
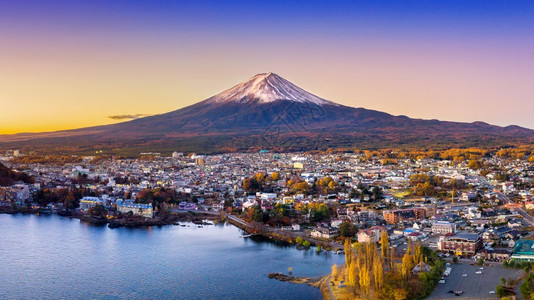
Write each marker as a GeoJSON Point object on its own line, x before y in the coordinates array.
{"type": "Point", "coordinates": [103, 256]}
{"type": "Point", "coordinates": [197, 218]}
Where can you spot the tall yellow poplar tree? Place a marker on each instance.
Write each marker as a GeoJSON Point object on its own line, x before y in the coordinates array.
{"type": "Point", "coordinates": [348, 252]}
{"type": "Point", "coordinates": [352, 274]}
{"type": "Point", "coordinates": [392, 260]}
{"type": "Point", "coordinates": [378, 271]}
{"type": "Point", "coordinates": [335, 271]}
{"type": "Point", "coordinates": [365, 280]}
{"type": "Point", "coordinates": [384, 242]}
{"type": "Point", "coordinates": [407, 265]}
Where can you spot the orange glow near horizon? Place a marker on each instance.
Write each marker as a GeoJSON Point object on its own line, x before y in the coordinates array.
{"type": "Point", "coordinates": [53, 77]}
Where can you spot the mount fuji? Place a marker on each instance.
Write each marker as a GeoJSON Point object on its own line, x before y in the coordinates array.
{"type": "Point", "coordinates": [268, 111]}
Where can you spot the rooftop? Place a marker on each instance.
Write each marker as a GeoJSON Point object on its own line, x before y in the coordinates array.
{"type": "Point", "coordinates": [524, 247]}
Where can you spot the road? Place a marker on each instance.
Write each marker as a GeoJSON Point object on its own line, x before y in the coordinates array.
{"type": "Point", "coordinates": [291, 234]}
{"type": "Point", "coordinates": [330, 288]}
{"type": "Point", "coordinates": [501, 196]}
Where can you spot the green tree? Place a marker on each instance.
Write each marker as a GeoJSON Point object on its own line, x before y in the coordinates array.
{"type": "Point", "coordinates": [251, 185]}
{"type": "Point", "coordinates": [377, 193]}
{"type": "Point", "coordinates": [526, 287]}
{"type": "Point", "coordinates": [347, 229]}
{"type": "Point", "coordinates": [354, 193]}
{"type": "Point", "coordinates": [500, 291]}
{"type": "Point", "coordinates": [98, 211]}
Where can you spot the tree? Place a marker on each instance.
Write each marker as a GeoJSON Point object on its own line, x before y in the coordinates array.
{"type": "Point", "coordinates": [347, 229]}
{"type": "Point", "coordinates": [525, 290]}
{"type": "Point", "coordinates": [348, 252]}
{"type": "Point", "coordinates": [98, 211]}
{"type": "Point", "coordinates": [352, 274]}
{"type": "Point", "coordinates": [335, 271]}
{"type": "Point", "coordinates": [365, 279]}
{"type": "Point", "coordinates": [377, 193]}
{"type": "Point", "coordinates": [526, 287]}
{"type": "Point", "coordinates": [354, 193]}
{"type": "Point", "coordinates": [384, 243]}
{"type": "Point", "coordinates": [251, 185]}
{"type": "Point", "coordinates": [378, 272]}
{"type": "Point", "coordinates": [474, 164]}
{"type": "Point", "coordinates": [401, 294]}
{"type": "Point", "coordinates": [275, 176]}
{"type": "Point", "coordinates": [407, 265]}
{"type": "Point", "coordinates": [332, 185]}
{"type": "Point", "coordinates": [299, 240]}
{"type": "Point", "coordinates": [500, 291]}
{"type": "Point", "coordinates": [392, 260]}
{"type": "Point", "coordinates": [418, 255]}
{"type": "Point", "coordinates": [306, 244]}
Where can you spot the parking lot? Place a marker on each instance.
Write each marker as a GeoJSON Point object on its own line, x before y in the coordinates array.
{"type": "Point", "coordinates": [474, 286]}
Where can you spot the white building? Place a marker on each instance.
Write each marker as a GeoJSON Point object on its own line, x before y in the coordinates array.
{"type": "Point", "coordinates": [442, 227]}
{"type": "Point", "coordinates": [88, 202]}
{"type": "Point", "coordinates": [371, 235]}
{"type": "Point", "coordinates": [137, 209]}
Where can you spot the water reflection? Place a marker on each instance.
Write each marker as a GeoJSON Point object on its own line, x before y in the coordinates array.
{"type": "Point", "coordinates": [57, 257]}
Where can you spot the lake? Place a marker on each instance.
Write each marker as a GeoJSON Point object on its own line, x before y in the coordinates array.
{"type": "Point", "coordinates": [51, 257]}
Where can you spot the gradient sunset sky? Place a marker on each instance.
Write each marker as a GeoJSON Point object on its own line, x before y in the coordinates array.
{"type": "Point", "coordinates": [70, 64]}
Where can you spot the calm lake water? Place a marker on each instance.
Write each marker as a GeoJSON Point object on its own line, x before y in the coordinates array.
{"type": "Point", "coordinates": [51, 257]}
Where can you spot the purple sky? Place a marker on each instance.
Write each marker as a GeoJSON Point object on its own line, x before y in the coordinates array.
{"type": "Point", "coordinates": [69, 64]}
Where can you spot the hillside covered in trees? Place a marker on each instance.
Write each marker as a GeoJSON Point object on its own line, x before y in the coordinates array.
{"type": "Point", "coordinates": [10, 177]}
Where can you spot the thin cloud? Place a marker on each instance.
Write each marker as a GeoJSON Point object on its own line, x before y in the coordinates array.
{"type": "Point", "coordinates": [127, 117]}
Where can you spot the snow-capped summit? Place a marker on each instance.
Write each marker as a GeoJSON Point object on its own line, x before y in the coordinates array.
{"type": "Point", "coordinates": [268, 111]}
{"type": "Point", "coordinates": [267, 87]}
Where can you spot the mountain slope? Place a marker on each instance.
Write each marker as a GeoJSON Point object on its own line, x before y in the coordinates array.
{"type": "Point", "coordinates": [268, 111]}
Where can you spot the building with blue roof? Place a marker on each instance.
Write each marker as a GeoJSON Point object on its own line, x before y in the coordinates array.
{"type": "Point", "coordinates": [523, 250]}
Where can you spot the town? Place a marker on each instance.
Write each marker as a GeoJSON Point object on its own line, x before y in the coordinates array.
{"type": "Point", "coordinates": [467, 204]}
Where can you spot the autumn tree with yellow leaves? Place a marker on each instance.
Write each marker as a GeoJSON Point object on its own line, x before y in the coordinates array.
{"type": "Point", "coordinates": [372, 274]}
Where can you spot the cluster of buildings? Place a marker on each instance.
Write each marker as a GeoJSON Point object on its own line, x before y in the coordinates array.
{"type": "Point", "coordinates": [478, 220]}
{"type": "Point", "coordinates": [19, 194]}
{"type": "Point", "coordinates": [117, 205]}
